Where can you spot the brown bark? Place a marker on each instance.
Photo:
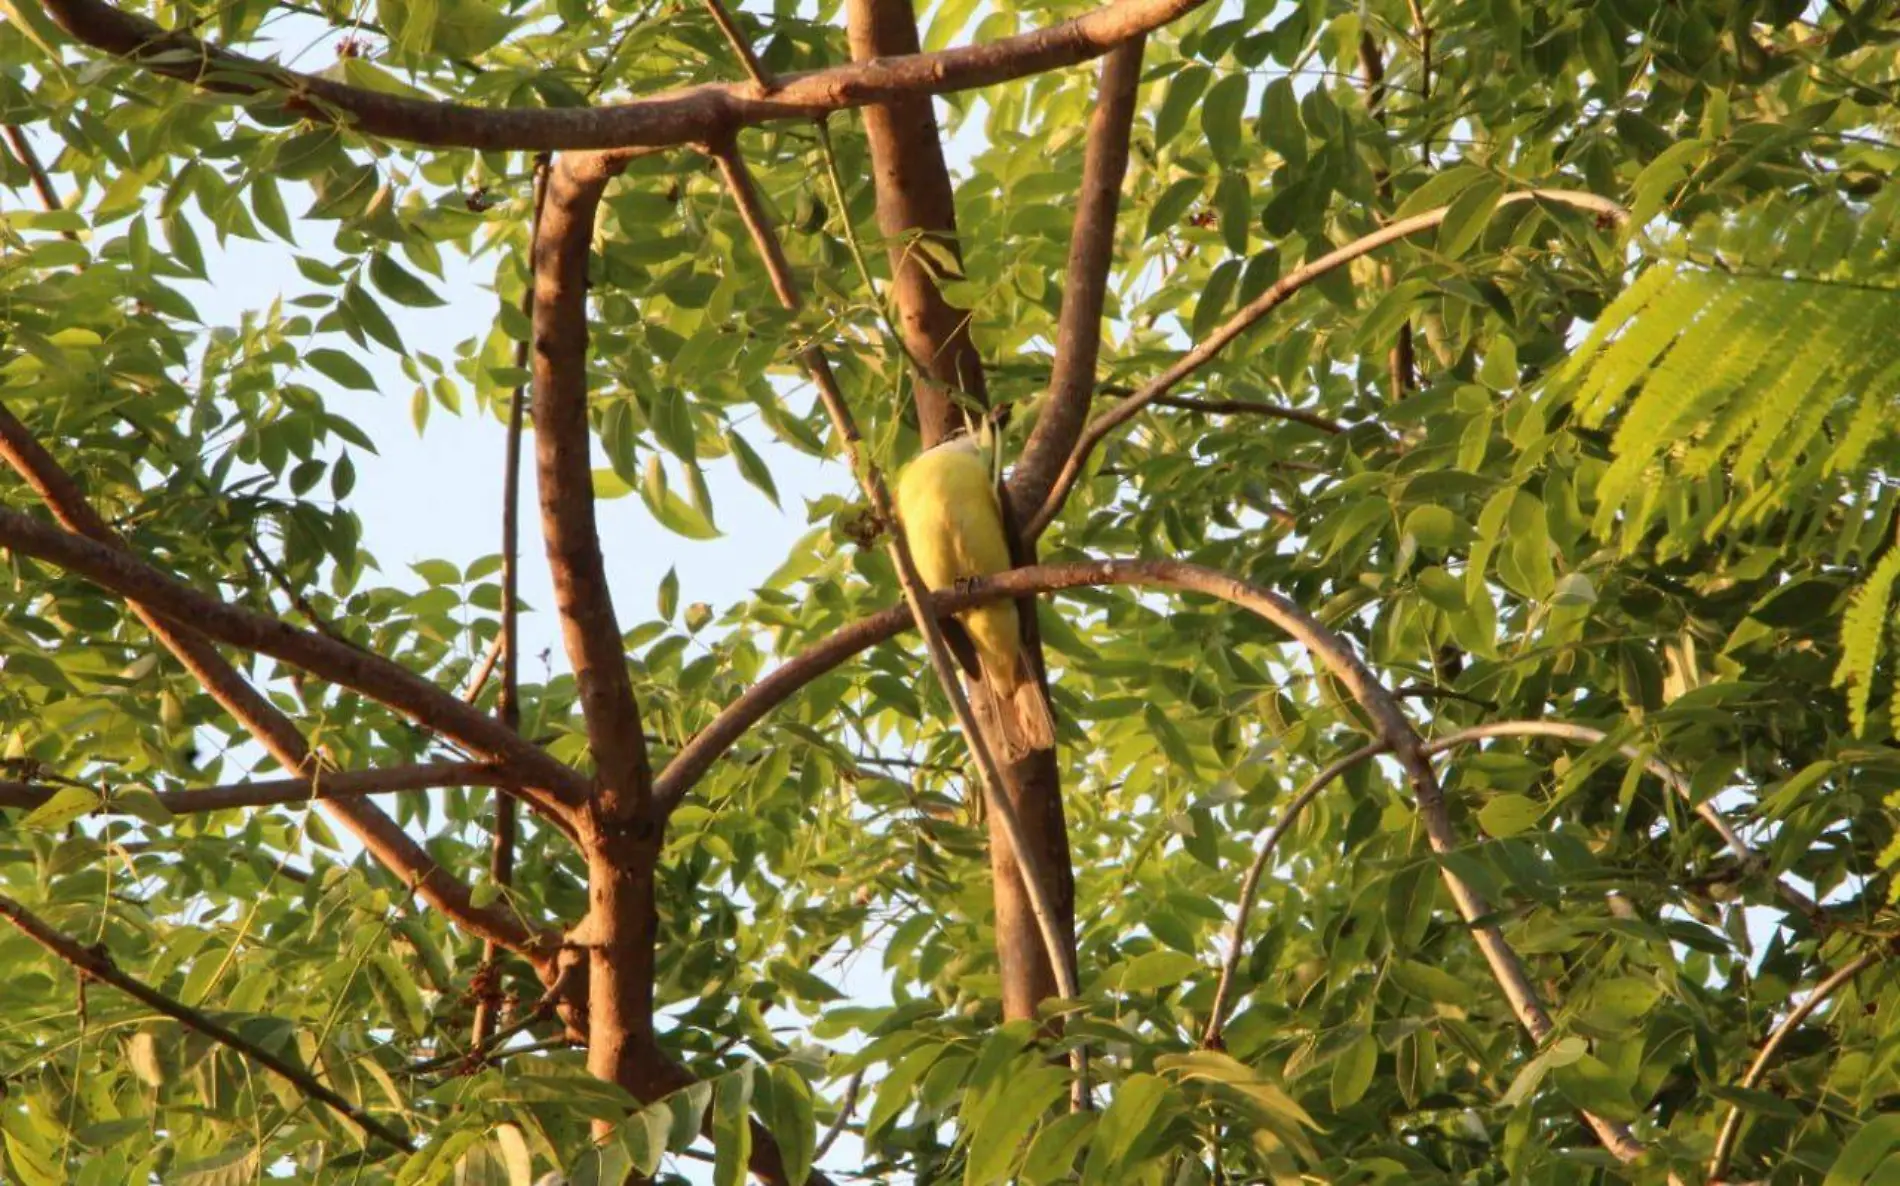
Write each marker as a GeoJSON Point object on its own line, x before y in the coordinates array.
{"type": "Point", "coordinates": [1085, 286]}
{"type": "Point", "coordinates": [162, 604]}
{"type": "Point", "coordinates": [562, 440]}
{"type": "Point", "coordinates": [913, 194]}
{"type": "Point", "coordinates": [914, 198]}
{"type": "Point", "coordinates": [690, 116]}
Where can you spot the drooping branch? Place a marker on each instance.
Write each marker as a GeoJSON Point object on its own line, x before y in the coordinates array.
{"type": "Point", "coordinates": [1250, 885]}
{"type": "Point", "coordinates": [322, 786]}
{"type": "Point", "coordinates": [548, 781]}
{"type": "Point", "coordinates": [689, 116]}
{"type": "Point", "coordinates": [380, 835]}
{"type": "Point", "coordinates": [917, 599]}
{"type": "Point", "coordinates": [94, 964]}
{"type": "Point", "coordinates": [562, 441]}
{"type": "Point", "coordinates": [1277, 294]}
{"type": "Point", "coordinates": [1732, 1123]}
{"type": "Point", "coordinates": [1085, 285]}
{"type": "Point", "coordinates": [1240, 407]}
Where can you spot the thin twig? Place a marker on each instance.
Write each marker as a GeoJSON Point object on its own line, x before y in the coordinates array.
{"type": "Point", "coordinates": [501, 856]}
{"type": "Point", "coordinates": [42, 182]}
{"type": "Point", "coordinates": [479, 679]}
{"type": "Point", "coordinates": [1732, 1124]}
{"type": "Point", "coordinates": [321, 786]}
{"type": "Point", "coordinates": [755, 69]}
{"type": "Point", "coordinates": [845, 1106]}
{"type": "Point", "coordinates": [1250, 885]}
{"type": "Point", "coordinates": [96, 964]}
{"type": "Point", "coordinates": [1276, 295]}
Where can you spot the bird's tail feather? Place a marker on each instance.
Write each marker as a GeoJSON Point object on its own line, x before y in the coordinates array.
{"type": "Point", "coordinates": [1021, 712]}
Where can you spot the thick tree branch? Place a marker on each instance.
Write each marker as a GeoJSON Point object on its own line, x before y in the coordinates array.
{"type": "Point", "coordinates": [322, 786]}
{"type": "Point", "coordinates": [113, 568]}
{"type": "Point", "coordinates": [1276, 295]}
{"type": "Point", "coordinates": [1085, 286]}
{"type": "Point", "coordinates": [379, 834]}
{"type": "Point", "coordinates": [1732, 1123]}
{"type": "Point", "coordinates": [689, 116]}
{"type": "Point", "coordinates": [95, 964]}
{"type": "Point", "coordinates": [562, 444]}
{"type": "Point", "coordinates": [916, 597]}
{"type": "Point", "coordinates": [914, 198]}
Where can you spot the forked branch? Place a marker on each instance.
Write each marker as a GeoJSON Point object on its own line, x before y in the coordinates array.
{"type": "Point", "coordinates": [324, 785]}
{"type": "Point", "coordinates": [917, 599]}
{"type": "Point", "coordinates": [689, 116]}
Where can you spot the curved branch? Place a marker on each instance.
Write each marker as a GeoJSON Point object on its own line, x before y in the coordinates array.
{"type": "Point", "coordinates": [1085, 286]}
{"type": "Point", "coordinates": [380, 835]}
{"type": "Point", "coordinates": [1732, 1124]}
{"type": "Point", "coordinates": [1326, 647]}
{"type": "Point", "coordinates": [562, 440]}
{"type": "Point", "coordinates": [324, 785]}
{"type": "Point", "coordinates": [692, 115]}
{"type": "Point", "coordinates": [372, 675]}
{"type": "Point", "coordinates": [1250, 885]}
{"type": "Point", "coordinates": [95, 964]}
{"type": "Point", "coordinates": [1276, 295]}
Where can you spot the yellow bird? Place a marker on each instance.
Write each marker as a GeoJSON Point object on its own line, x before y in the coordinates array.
{"type": "Point", "coordinates": [947, 501]}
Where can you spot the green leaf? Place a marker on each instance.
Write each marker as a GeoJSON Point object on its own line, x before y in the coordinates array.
{"type": "Point", "coordinates": [340, 368]}
{"type": "Point", "coordinates": [751, 467]}
{"type": "Point", "coordinates": [401, 285]}
{"type": "Point", "coordinates": [1167, 212]}
{"type": "Point", "coordinates": [1221, 115]}
{"type": "Point", "coordinates": [1469, 214]}
{"type": "Point", "coordinates": [669, 594]}
{"type": "Point", "coordinates": [1128, 1128]}
{"type": "Point", "coordinates": [1184, 92]}
{"type": "Point", "coordinates": [1865, 1151]}
{"type": "Point", "coordinates": [1507, 815]}
{"type": "Point", "coordinates": [1352, 1072]}
{"type": "Point", "coordinates": [1052, 1155]}
{"type": "Point", "coordinates": [1017, 1108]}
{"type": "Point", "coordinates": [1212, 308]}
{"type": "Point", "coordinates": [1280, 124]}
{"type": "Point", "coordinates": [731, 1130]}
{"type": "Point", "coordinates": [66, 805]}
{"type": "Point", "coordinates": [785, 1103]}
{"type": "Point", "coordinates": [1146, 973]}
{"type": "Point", "coordinates": [1444, 189]}
{"type": "Point", "coordinates": [669, 509]}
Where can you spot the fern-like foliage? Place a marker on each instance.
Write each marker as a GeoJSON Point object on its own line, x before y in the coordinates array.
{"type": "Point", "coordinates": [1749, 394]}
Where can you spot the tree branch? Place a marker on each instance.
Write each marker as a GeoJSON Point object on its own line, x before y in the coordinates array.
{"type": "Point", "coordinates": [113, 568]}
{"type": "Point", "coordinates": [321, 786]}
{"type": "Point", "coordinates": [1085, 286]}
{"type": "Point", "coordinates": [1732, 1123]}
{"type": "Point", "coordinates": [562, 448]}
{"type": "Point", "coordinates": [1241, 407]}
{"type": "Point", "coordinates": [1276, 295]}
{"type": "Point", "coordinates": [1326, 647]}
{"type": "Point", "coordinates": [917, 598]}
{"type": "Point", "coordinates": [914, 199]}
{"type": "Point", "coordinates": [692, 115]}
{"type": "Point", "coordinates": [42, 183]}
{"type": "Point", "coordinates": [379, 835]}
{"type": "Point", "coordinates": [748, 57]}
{"type": "Point", "coordinates": [94, 963]}
{"type": "Point", "coordinates": [1399, 360]}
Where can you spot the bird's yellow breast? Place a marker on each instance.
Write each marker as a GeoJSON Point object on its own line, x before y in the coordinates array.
{"type": "Point", "coordinates": [948, 505]}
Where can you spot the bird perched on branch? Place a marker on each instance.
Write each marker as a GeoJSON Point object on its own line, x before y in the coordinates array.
{"type": "Point", "coordinates": [947, 502]}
